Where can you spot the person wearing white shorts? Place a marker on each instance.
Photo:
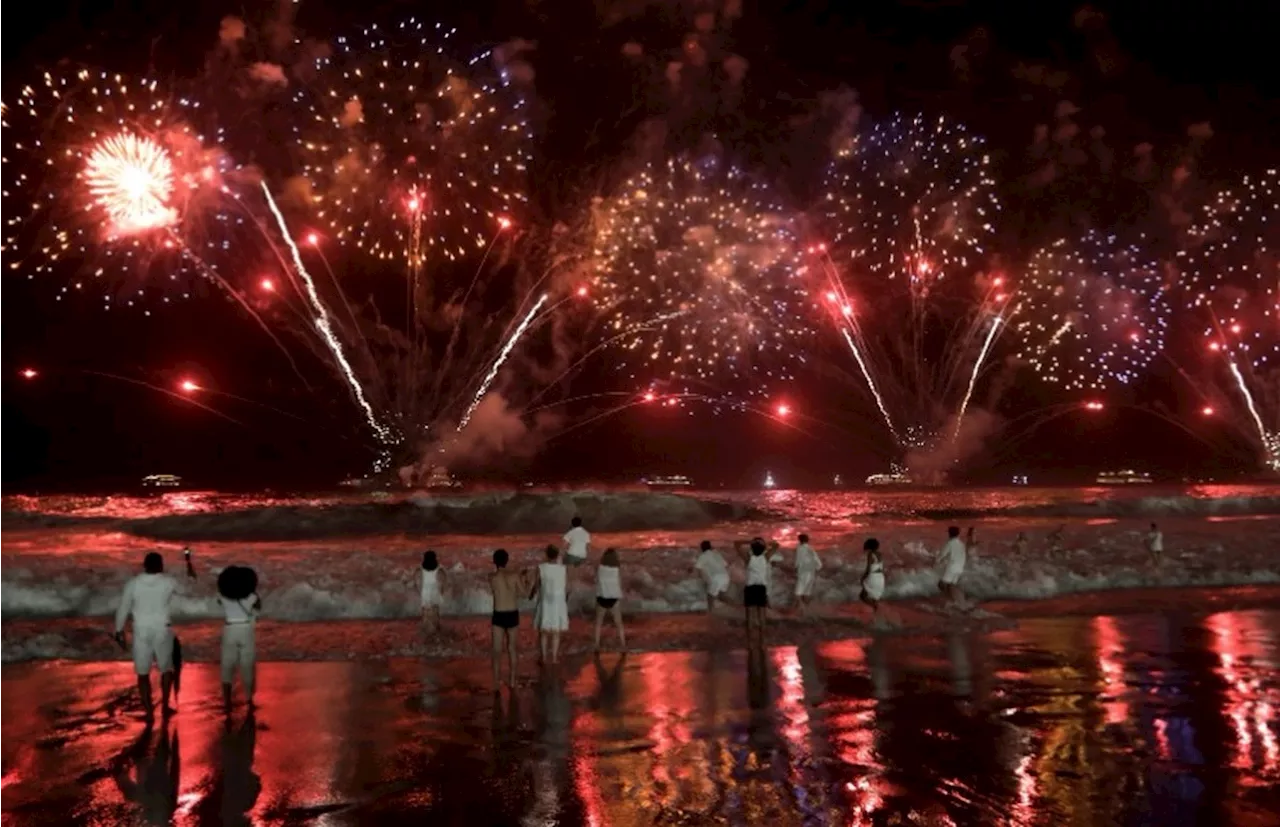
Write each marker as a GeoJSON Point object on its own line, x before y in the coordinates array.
{"type": "Point", "coordinates": [951, 560]}
{"type": "Point", "coordinates": [146, 599]}
{"type": "Point", "coordinates": [238, 646]}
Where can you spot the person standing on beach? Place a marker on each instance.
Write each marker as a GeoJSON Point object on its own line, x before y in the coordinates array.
{"type": "Point", "coordinates": [808, 564]}
{"type": "Point", "coordinates": [553, 605]}
{"type": "Point", "coordinates": [238, 593]}
{"type": "Point", "coordinates": [714, 571]}
{"type": "Point", "coordinates": [608, 595]}
{"type": "Point", "coordinates": [146, 599]}
{"type": "Point", "coordinates": [576, 540]}
{"type": "Point", "coordinates": [1155, 544]}
{"type": "Point", "coordinates": [755, 595]}
{"type": "Point", "coordinates": [431, 594]}
{"type": "Point", "coordinates": [507, 586]}
{"type": "Point", "coordinates": [873, 578]}
{"type": "Point", "coordinates": [951, 562]}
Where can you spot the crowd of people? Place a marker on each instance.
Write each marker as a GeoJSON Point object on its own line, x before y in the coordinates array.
{"type": "Point", "coordinates": [147, 598]}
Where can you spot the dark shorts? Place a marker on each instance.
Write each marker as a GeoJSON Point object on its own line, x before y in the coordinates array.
{"type": "Point", "coordinates": [606, 602]}
{"type": "Point", "coordinates": [757, 596]}
{"type": "Point", "coordinates": [506, 620]}
{"type": "Point", "coordinates": [570, 560]}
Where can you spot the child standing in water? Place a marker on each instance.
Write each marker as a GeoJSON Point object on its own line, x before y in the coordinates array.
{"type": "Point", "coordinates": [873, 578]}
{"type": "Point", "coordinates": [608, 595]}
{"type": "Point", "coordinates": [951, 562]}
{"type": "Point", "coordinates": [714, 572]}
{"type": "Point", "coordinates": [755, 595]}
{"type": "Point", "coordinates": [431, 594]}
{"type": "Point", "coordinates": [1155, 544]}
{"type": "Point", "coordinates": [553, 605]}
{"type": "Point", "coordinates": [507, 586]}
{"type": "Point", "coordinates": [808, 564]}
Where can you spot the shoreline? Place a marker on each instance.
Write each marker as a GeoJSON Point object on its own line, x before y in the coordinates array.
{"type": "Point", "coordinates": [87, 639]}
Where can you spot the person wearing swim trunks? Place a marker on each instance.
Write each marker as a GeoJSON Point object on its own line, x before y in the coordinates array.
{"type": "Point", "coordinates": [507, 586]}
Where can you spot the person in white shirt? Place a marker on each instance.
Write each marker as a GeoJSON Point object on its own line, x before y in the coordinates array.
{"type": "Point", "coordinates": [431, 594]}
{"type": "Point", "coordinates": [755, 595]}
{"type": "Point", "coordinates": [552, 614]}
{"type": "Point", "coordinates": [238, 593]}
{"type": "Point", "coordinates": [951, 561]}
{"type": "Point", "coordinates": [608, 596]}
{"type": "Point", "coordinates": [146, 599]}
{"type": "Point", "coordinates": [714, 572]}
{"type": "Point", "coordinates": [808, 564]}
{"type": "Point", "coordinates": [576, 541]}
{"type": "Point", "coordinates": [1155, 543]}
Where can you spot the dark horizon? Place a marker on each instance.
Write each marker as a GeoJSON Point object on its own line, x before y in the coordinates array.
{"type": "Point", "coordinates": [1134, 74]}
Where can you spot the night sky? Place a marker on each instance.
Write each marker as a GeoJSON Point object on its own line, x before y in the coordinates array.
{"type": "Point", "coordinates": [1137, 72]}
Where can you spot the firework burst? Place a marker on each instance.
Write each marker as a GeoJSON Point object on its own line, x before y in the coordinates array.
{"type": "Point", "coordinates": [107, 183]}
{"type": "Point", "coordinates": [1230, 269]}
{"type": "Point", "coordinates": [1092, 314]}
{"type": "Point", "coordinates": [409, 150]}
{"type": "Point", "coordinates": [701, 275]}
{"type": "Point", "coordinates": [908, 210]}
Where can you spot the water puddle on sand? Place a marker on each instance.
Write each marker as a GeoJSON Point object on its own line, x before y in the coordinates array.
{"type": "Point", "coordinates": [1156, 718]}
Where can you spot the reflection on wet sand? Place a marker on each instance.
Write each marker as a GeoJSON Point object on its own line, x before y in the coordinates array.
{"type": "Point", "coordinates": [1063, 721]}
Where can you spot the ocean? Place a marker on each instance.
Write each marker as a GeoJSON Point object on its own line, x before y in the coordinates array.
{"type": "Point", "coordinates": [355, 555]}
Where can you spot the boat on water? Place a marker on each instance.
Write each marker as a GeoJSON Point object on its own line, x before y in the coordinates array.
{"type": "Point", "coordinates": [440, 478]}
{"type": "Point", "coordinates": [1125, 477]}
{"type": "Point", "coordinates": [895, 478]}
{"type": "Point", "coordinates": [673, 481]}
{"type": "Point", "coordinates": [162, 481]}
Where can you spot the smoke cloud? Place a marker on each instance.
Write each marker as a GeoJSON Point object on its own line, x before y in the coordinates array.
{"type": "Point", "coordinates": [497, 432]}
{"type": "Point", "coordinates": [933, 463]}
{"type": "Point", "coordinates": [268, 73]}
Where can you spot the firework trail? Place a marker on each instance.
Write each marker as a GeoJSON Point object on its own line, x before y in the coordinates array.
{"type": "Point", "coordinates": [325, 328]}
{"type": "Point", "coordinates": [715, 254]}
{"type": "Point", "coordinates": [502, 358]}
{"type": "Point", "coordinates": [908, 208]}
{"type": "Point", "coordinates": [977, 371]}
{"type": "Point", "coordinates": [1091, 314]}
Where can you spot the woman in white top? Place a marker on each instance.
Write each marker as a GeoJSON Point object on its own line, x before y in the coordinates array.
{"type": "Point", "coordinates": [553, 605]}
{"type": "Point", "coordinates": [714, 572]}
{"type": "Point", "coordinates": [755, 595]}
{"type": "Point", "coordinates": [237, 591]}
{"type": "Point", "coordinates": [608, 594]}
{"type": "Point", "coordinates": [432, 596]}
{"type": "Point", "coordinates": [873, 577]}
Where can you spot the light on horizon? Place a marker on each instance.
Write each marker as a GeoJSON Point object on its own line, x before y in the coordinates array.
{"type": "Point", "coordinates": [29, 373]}
{"type": "Point", "coordinates": [188, 386]}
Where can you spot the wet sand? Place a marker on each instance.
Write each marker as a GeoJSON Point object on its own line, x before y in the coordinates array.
{"type": "Point", "coordinates": [1160, 717]}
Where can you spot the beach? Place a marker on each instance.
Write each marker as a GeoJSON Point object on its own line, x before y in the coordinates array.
{"type": "Point", "coordinates": [1163, 713]}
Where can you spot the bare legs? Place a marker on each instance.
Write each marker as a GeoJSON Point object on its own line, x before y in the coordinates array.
{"type": "Point", "coordinates": [430, 619]}
{"type": "Point", "coordinates": [499, 643]}
{"type": "Point", "coordinates": [616, 612]}
{"type": "Point", "coordinates": [144, 693]}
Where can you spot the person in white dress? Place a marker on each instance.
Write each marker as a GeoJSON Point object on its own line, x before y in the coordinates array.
{"type": "Point", "coordinates": [576, 541]}
{"type": "Point", "coordinates": [1155, 543]}
{"type": "Point", "coordinates": [430, 592]}
{"type": "Point", "coordinates": [873, 577]}
{"type": "Point", "coordinates": [714, 572]}
{"type": "Point", "coordinates": [808, 564]}
{"type": "Point", "coordinates": [553, 606]}
{"type": "Point", "coordinates": [609, 596]}
{"type": "Point", "coordinates": [951, 562]}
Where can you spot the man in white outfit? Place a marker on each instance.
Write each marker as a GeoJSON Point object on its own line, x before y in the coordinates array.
{"type": "Point", "coordinates": [951, 561]}
{"type": "Point", "coordinates": [146, 598]}
{"type": "Point", "coordinates": [577, 539]}
{"type": "Point", "coordinates": [1155, 543]}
